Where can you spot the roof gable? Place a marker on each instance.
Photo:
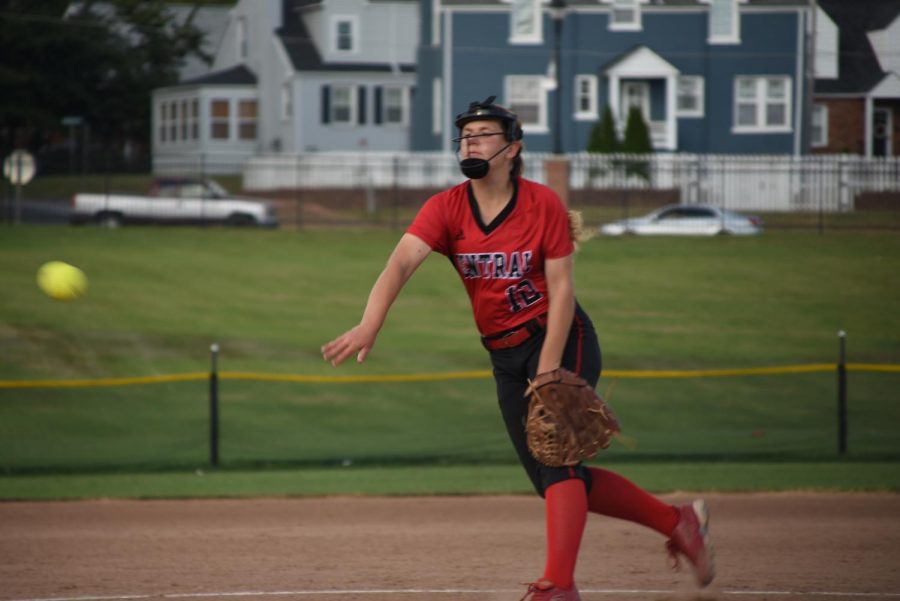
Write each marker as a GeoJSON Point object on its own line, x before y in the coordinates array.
{"type": "Point", "coordinates": [859, 69]}
{"type": "Point", "coordinates": [641, 62]}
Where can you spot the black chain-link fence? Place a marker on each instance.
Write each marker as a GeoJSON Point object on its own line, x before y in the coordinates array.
{"type": "Point", "coordinates": [386, 189]}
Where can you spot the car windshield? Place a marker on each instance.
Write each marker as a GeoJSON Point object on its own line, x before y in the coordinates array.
{"type": "Point", "coordinates": [217, 190]}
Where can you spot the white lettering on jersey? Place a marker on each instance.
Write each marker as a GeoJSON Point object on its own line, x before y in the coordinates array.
{"type": "Point", "coordinates": [494, 265]}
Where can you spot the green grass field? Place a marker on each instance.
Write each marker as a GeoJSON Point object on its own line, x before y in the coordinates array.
{"type": "Point", "coordinates": [159, 297]}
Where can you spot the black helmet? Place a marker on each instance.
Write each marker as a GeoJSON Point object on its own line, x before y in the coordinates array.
{"type": "Point", "coordinates": [486, 109]}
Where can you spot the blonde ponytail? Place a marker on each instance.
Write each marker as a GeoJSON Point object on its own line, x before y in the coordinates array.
{"type": "Point", "coordinates": [576, 228]}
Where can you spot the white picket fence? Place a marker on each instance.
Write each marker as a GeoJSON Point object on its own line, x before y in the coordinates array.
{"type": "Point", "coordinates": [828, 183]}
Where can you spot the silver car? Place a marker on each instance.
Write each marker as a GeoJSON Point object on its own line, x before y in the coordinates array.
{"type": "Point", "coordinates": [686, 220]}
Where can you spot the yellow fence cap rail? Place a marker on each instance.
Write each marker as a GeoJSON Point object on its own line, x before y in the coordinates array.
{"type": "Point", "coordinates": [437, 376]}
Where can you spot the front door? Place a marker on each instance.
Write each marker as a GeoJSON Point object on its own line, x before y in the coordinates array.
{"type": "Point", "coordinates": [635, 93]}
{"type": "Point", "coordinates": [882, 142]}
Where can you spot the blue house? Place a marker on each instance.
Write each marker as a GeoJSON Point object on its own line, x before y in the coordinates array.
{"type": "Point", "coordinates": [710, 76]}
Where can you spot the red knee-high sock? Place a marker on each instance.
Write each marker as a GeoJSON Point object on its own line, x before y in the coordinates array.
{"type": "Point", "coordinates": [615, 496]}
{"type": "Point", "coordinates": [566, 510]}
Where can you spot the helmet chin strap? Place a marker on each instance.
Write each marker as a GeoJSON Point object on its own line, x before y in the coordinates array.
{"type": "Point", "coordinates": [478, 168]}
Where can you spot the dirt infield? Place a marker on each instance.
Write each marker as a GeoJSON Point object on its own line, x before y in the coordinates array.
{"type": "Point", "coordinates": [769, 546]}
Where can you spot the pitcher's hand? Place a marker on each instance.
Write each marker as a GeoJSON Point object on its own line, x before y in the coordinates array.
{"type": "Point", "coordinates": [357, 340]}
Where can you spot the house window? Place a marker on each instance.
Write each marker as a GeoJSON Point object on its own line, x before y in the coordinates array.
{"type": "Point", "coordinates": [762, 104]}
{"type": "Point", "coordinates": [724, 22]}
{"type": "Point", "coordinates": [526, 96]}
{"type": "Point", "coordinates": [344, 35]}
{"type": "Point", "coordinates": [173, 121]}
{"type": "Point", "coordinates": [220, 117]}
{"type": "Point", "coordinates": [586, 97]}
{"type": "Point", "coordinates": [185, 118]}
{"type": "Point", "coordinates": [689, 101]}
{"type": "Point", "coordinates": [195, 119]}
{"type": "Point", "coordinates": [626, 15]}
{"type": "Point", "coordinates": [241, 39]}
{"type": "Point", "coordinates": [437, 112]}
{"type": "Point", "coordinates": [287, 103]}
{"type": "Point", "coordinates": [161, 118]}
{"type": "Point", "coordinates": [247, 119]}
{"type": "Point", "coordinates": [819, 132]}
{"type": "Point", "coordinates": [342, 104]}
{"type": "Point", "coordinates": [525, 22]}
{"type": "Point", "coordinates": [394, 106]}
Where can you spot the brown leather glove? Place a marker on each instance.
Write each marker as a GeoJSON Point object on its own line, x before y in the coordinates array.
{"type": "Point", "coordinates": [567, 420]}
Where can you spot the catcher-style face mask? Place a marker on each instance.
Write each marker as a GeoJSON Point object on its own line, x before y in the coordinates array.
{"type": "Point", "coordinates": [486, 110]}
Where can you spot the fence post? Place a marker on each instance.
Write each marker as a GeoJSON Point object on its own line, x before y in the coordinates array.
{"type": "Point", "coordinates": [214, 405]}
{"type": "Point", "coordinates": [842, 393]}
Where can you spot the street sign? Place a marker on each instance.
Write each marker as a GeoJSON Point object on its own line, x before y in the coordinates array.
{"type": "Point", "coordinates": [72, 121]}
{"type": "Point", "coordinates": [19, 167]}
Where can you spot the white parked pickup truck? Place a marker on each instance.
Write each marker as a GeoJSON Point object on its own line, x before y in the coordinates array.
{"type": "Point", "coordinates": [174, 200]}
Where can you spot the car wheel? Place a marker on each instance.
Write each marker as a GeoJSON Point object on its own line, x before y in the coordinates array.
{"type": "Point", "coordinates": [109, 220]}
{"type": "Point", "coordinates": [241, 220]}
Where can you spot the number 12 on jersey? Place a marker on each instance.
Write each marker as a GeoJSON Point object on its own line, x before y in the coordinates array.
{"type": "Point", "coordinates": [522, 295]}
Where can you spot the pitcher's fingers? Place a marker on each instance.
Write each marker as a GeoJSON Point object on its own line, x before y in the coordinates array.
{"type": "Point", "coordinates": [363, 353]}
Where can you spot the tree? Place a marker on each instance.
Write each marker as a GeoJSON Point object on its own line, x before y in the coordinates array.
{"type": "Point", "coordinates": [604, 138]}
{"type": "Point", "coordinates": [96, 60]}
{"type": "Point", "coordinates": [637, 141]}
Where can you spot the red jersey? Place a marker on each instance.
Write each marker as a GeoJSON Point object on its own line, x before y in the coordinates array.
{"type": "Point", "coordinates": [501, 263]}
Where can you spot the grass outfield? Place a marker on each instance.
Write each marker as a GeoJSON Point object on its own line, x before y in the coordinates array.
{"type": "Point", "coordinates": [160, 296]}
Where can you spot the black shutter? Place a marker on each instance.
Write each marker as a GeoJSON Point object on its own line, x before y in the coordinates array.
{"type": "Point", "coordinates": [378, 117]}
{"type": "Point", "coordinates": [361, 98]}
{"type": "Point", "coordinates": [326, 104]}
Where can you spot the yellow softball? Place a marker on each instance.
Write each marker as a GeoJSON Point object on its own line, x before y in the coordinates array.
{"type": "Point", "coordinates": [61, 281]}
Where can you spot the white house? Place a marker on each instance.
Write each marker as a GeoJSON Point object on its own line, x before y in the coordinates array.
{"type": "Point", "coordinates": [294, 76]}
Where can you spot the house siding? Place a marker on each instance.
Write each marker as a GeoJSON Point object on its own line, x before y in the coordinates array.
{"type": "Point", "coordinates": [846, 126]}
{"type": "Point", "coordinates": [482, 57]}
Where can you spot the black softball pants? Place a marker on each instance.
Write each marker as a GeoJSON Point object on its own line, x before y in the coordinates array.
{"type": "Point", "coordinates": [513, 367]}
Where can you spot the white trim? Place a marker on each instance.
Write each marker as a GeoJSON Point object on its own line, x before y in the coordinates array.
{"type": "Point", "coordinates": [759, 102]}
{"type": "Point", "coordinates": [448, 81]}
{"type": "Point", "coordinates": [354, 104]}
{"type": "Point", "coordinates": [868, 139]}
{"type": "Point", "coordinates": [437, 102]}
{"type": "Point", "coordinates": [287, 100]}
{"type": "Point", "coordinates": [592, 113]}
{"type": "Point", "coordinates": [404, 105]}
{"type": "Point", "coordinates": [333, 34]}
{"type": "Point", "coordinates": [700, 93]}
{"type": "Point", "coordinates": [889, 129]}
{"type": "Point", "coordinates": [732, 37]}
{"type": "Point", "coordinates": [542, 124]}
{"type": "Point", "coordinates": [800, 105]}
{"type": "Point", "coordinates": [634, 25]}
{"type": "Point", "coordinates": [888, 87]}
{"type": "Point", "coordinates": [536, 36]}
{"type": "Point", "coordinates": [644, 63]}
{"type": "Point", "coordinates": [436, 11]}
{"type": "Point", "coordinates": [241, 39]}
{"type": "Point", "coordinates": [821, 109]}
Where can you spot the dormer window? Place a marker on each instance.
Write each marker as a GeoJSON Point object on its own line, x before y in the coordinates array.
{"type": "Point", "coordinates": [724, 22]}
{"type": "Point", "coordinates": [345, 31]}
{"type": "Point", "coordinates": [525, 22]}
{"type": "Point", "coordinates": [625, 15]}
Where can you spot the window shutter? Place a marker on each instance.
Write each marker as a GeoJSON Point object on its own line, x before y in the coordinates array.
{"type": "Point", "coordinates": [326, 104]}
{"type": "Point", "coordinates": [361, 98]}
{"type": "Point", "coordinates": [378, 118]}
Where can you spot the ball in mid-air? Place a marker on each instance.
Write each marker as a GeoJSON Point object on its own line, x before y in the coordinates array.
{"type": "Point", "coordinates": [61, 281]}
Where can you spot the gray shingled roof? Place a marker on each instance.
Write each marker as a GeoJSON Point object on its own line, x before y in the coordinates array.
{"type": "Point", "coordinates": [239, 75]}
{"type": "Point", "coordinates": [858, 67]}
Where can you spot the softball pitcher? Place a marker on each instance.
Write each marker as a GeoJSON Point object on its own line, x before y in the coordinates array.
{"type": "Point", "coordinates": [512, 242]}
